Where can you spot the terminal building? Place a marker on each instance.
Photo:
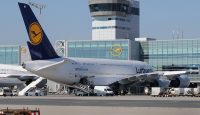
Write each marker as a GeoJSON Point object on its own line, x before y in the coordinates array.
{"type": "Point", "coordinates": [122, 49]}
{"type": "Point", "coordinates": [10, 55]}
{"type": "Point", "coordinates": [115, 35]}
{"type": "Point", "coordinates": [163, 55]}
{"type": "Point", "coordinates": [13, 54]}
{"type": "Point", "coordinates": [173, 55]}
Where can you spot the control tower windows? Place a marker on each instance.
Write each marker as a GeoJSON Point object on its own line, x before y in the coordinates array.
{"type": "Point", "coordinates": [115, 7]}
{"type": "Point", "coordinates": [109, 7]}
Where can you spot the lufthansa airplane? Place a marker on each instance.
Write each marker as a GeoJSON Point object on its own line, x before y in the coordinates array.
{"type": "Point", "coordinates": [102, 72]}
{"type": "Point", "coordinates": [11, 75]}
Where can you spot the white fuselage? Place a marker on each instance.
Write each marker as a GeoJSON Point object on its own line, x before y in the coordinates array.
{"type": "Point", "coordinates": [99, 71]}
{"type": "Point", "coordinates": [15, 71]}
{"type": "Point", "coordinates": [11, 75]}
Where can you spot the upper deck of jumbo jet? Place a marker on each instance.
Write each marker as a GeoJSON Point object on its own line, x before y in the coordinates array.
{"type": "Point", "coordinates": [107, 61]}
{"type": "Point", "coordinates": [85, 61]}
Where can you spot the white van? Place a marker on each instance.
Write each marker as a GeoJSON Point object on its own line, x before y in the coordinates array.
{"type": "Point", "coordinates": [6, 92]}
{"type": "Point", "coordinates": [103, 91]}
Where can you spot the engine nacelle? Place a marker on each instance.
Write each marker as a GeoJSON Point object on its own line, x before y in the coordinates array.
{"type": "Point", "coordinates": [160, 83]}
{"type": "Point", "coordinates": [182, 81]}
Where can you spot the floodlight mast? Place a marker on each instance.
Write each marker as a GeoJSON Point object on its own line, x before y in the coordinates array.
{"type": "Point", "coordinates": [38, 6]}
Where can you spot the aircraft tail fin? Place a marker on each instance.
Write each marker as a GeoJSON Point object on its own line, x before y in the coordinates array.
{"type": "Point", "coordinates": [39, 45]}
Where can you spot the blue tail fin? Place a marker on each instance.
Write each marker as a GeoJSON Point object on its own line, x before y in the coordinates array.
{"type": "Point", "coordinates": [39, 45]}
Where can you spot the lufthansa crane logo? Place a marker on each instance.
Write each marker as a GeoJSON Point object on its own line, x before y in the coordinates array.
{"type": "Point", "coordinates": [23, 50]}
{"type": "Point", "coordinates": [116, 50]}
{"type": "Point", "coordinates": [35, 33]}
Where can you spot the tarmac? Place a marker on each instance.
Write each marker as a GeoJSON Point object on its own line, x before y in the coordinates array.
{"type": "Point", "coordinates": [117, 105]}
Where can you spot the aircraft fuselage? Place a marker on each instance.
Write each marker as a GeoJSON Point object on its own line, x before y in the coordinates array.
{"type": "Point", "coordinates": [99, 71]}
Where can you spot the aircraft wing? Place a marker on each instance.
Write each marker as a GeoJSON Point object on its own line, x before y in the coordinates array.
{"type": "Point", "coordinates": [19, 75]}
{"type": "Point", "coordinates": [23, 77]}
{"type": "Point", "coordinates": [151, 76]}
{"type": "Point", "coordinates": [171, 74]}
{"type": "Point", "coordinates": [7, 82]}
{"type": "Point", "coordinates": [140, 78]}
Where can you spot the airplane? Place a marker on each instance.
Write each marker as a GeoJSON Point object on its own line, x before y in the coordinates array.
{"type": "Point", "coordinates": [88, 71]}
{"type": "Point", "coordinates": [11, 75]}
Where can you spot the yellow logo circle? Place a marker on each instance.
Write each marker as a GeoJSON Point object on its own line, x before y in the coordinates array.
{"type": "Point", "coordinates": [35, 33]}
{"type": "Point", "coordinates": [116, 50]}
{"type": "Point", "coordinates": [23, 49]}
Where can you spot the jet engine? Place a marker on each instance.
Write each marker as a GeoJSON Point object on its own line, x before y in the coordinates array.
{"type": "Point", "coordinates": [160, 83]}
{"type": "Point", "coordinates": [182, 81]}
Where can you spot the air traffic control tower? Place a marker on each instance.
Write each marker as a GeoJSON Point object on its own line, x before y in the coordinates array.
{"type": "Point", "coordinates": [115, 19]}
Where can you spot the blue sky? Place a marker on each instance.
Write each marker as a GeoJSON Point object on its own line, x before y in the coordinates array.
{"type": "Point", "coordinates": [70, 20]}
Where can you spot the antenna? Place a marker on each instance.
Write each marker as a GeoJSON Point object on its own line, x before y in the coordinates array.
{"type": "Point", "coordinates": [38, 6]}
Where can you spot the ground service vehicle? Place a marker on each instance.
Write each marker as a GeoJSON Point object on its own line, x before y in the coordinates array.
{"type": "Point", "coordinates": [97, 91]}
{"type": "Point", "coordinates": [79, 92]}
{"type": "Point", "coordinates": [6, 92]}
{"type": "Point", "coordinates": [15, 92]}
{"type": "Point", "coordinates": [34, 93]}
{"type": "Point", "coordinates": [103, 91]}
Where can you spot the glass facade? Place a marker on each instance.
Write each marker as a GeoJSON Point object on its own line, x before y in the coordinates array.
{"type": "Point", "coordinates": [114, 7]}
{"type": "Point", "coordinates": [9, 55]}
{"type": "Point", "coordinates": [111, 27]}
{"type": "Point", "coordinates": [118, 49]}
{"type": "Point", "coordinates": [163, 55]}
{"type": "Point", "coordinates": [172, 54]}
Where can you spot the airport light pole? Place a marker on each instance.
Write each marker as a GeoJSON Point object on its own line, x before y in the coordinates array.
{"type": "Point", "coordinates": [38, 6]}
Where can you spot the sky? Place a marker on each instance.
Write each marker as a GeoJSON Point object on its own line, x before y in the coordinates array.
{"type": "Point", "coordinates": [70, 20]}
